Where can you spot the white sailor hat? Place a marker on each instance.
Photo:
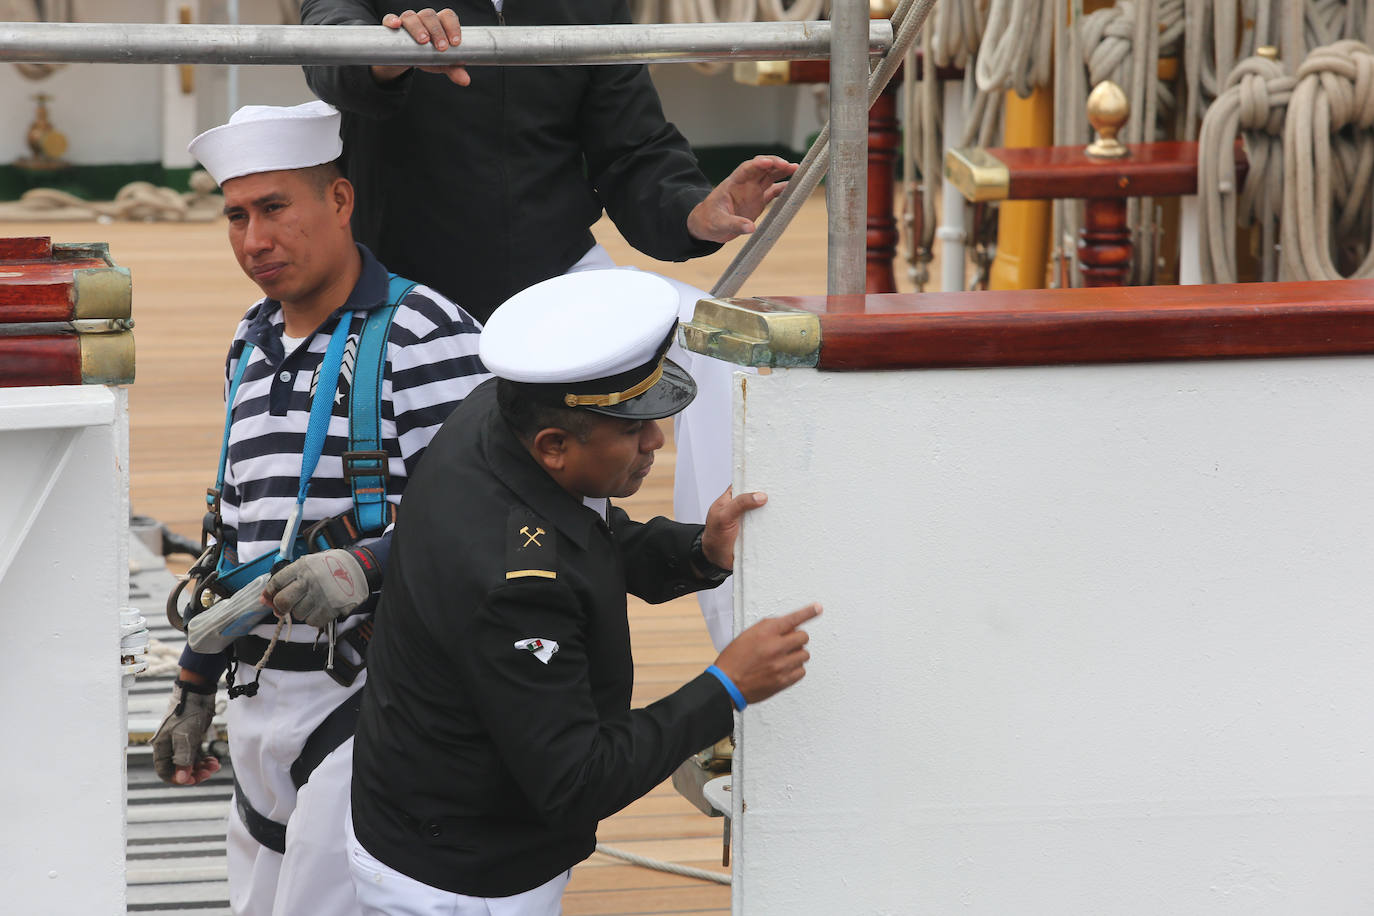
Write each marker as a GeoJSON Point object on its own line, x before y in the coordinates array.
{"type": "Point", "coordinates": [594, 339]}
{"type": "Point", "coordinates": [269, 138]}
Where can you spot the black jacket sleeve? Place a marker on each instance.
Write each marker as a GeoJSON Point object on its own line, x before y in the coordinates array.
{"type": "Point", "coordinates": [351, 88]}
{"type": "Point", "coordinates": [658, 565]}
{"type": "Point", "coordinates": [643, 169]}
{"type": "Point", "coordinates": [575, 767]}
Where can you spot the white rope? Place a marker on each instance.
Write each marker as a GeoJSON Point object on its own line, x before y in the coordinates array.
{"type": "Point", "coordinates": [686, 871]}
{"type": "Point", "coordinates": [1252, 107]}
{"type": "Point", "coordinates": [162, 659]}
{"type": "Point", "coordinates": [137, 201]}
{"type": "Point", "coordinates": [1335, 90]}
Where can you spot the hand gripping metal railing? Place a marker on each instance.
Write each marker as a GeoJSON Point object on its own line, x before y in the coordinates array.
{"type": "Point", "coordinates": [158, 43]}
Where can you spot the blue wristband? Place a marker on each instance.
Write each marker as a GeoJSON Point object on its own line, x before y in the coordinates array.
{"type": "Point", "coordinates": [735, 696]}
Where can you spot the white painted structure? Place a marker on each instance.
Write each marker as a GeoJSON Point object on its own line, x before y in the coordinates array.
{"type": "Point", "coordinates": [1096, 640]}
{"type": "Point", "coordinates": [64, 571]}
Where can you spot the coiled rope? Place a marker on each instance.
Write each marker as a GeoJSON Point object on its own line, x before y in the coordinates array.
{"type": "Point", "coordinates": [1252, 107]}
{"type": "Point", "coordinates": [1335, 90]}
{"type": "Point", "coordinates": [1319, 178]}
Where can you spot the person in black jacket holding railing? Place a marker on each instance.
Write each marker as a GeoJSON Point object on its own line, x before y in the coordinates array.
{"type": "Point", "coordinates": [482, 182]}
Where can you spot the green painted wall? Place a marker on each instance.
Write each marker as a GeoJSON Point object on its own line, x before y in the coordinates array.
{"type": "Point", "coordinates": [90, 182]}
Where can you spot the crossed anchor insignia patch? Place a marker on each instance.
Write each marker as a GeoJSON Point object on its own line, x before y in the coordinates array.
{"type": "Point", "coordinates": [530, 547]}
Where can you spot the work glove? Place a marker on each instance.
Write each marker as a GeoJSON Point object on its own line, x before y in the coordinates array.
{"type": "Point", "coordinates": [179, 738]}
{"type": "Point", "coordinates": [322, 587]}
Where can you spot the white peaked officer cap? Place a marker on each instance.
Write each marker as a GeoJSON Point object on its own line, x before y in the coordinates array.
{"type": "Point", "coordinates": [594, 339]}
{"type": "Point", "coordinates": [268, 138]}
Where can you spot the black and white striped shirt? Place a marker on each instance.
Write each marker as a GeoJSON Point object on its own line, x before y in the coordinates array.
{"type": "Point", "coordinates": [431, 365]}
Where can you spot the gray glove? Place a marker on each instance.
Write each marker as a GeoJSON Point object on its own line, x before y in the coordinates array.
{"type": "Point", "coordinates": [179, 738]}
{"type": "Point", "coordinates": [320, 587]}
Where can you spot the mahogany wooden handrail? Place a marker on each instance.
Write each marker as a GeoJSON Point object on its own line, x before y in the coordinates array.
{"type": "Point", "coordinates": [1039, 327]}
{"type": "Point", "coordinates": [1163, 169]}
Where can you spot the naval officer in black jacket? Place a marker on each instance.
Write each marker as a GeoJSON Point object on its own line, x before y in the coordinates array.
{"type": "Point", "coordinates": [496, 729]}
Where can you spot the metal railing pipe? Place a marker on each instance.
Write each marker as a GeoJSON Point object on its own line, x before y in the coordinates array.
{"type": "Point", "coordinates": [846, 194]}
{"type": "Point", "coordinates": [908, 20]}
{"type": "Point", "coordinates": [158, 43]}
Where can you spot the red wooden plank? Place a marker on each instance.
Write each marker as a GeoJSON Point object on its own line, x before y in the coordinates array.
{"type": "Point", "coordinates": [1160, 169]}
{"type": "Point", "coordinates": [26, 248]}
{"type": "Point", "coordinates": [26, 361]}
{"type": "Point", "coordinates": [1127, 324]}
{"type": "Point", "coordinates": [39, 290]}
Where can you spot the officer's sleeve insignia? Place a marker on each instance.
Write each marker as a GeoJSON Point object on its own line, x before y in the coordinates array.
{"type": "Point", "coordinates": [531, 546]}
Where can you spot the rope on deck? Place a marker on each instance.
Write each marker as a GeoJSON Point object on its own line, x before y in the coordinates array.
{"type": "Point", "coordinates": [672, 868]}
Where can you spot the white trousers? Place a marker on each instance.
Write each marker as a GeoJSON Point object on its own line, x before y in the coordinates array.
{"type": "Point", "coordinates": [383, 891]}
{"type": "Point", "coordinates": [266, 733]}
{"type": "Point", "coordinates": [704, 436]}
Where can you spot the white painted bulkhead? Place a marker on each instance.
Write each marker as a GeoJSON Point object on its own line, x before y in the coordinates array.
{"type": "Point", "coordinates": [64, 571]}
{"type": "Point", "coordinates": [1096, 640]}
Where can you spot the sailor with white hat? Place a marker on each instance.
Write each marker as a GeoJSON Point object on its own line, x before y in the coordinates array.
{"type": "Point", "coordinates": [336, 381]}
{"type": "Point", "coordinates": [501, 672]}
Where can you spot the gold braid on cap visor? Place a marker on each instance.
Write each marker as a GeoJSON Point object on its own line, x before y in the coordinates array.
{"type": "Point", "coordinates": [615, 397]}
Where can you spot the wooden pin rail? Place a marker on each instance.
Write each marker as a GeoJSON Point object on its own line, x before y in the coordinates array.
{"type": "Point", "coordinates": [64, 315]}
{"type": "Point", "coordinates": [1039, 327]}
{"type": "Point", "coordinates": [1164, 169]}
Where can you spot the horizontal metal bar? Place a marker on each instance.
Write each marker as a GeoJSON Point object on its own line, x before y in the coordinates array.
{"type": "Point", "coordinates": [157, 43]}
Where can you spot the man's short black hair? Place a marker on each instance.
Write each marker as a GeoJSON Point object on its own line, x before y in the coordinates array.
{"type": "Point", "coordinates": [323, 175]}
{"type": "Point", "coordinates": [527, 415]}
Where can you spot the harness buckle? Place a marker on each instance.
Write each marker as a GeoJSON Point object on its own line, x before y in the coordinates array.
{"type": "Point", "coordinates": [328, 533]}
{"type": "Point", "coordinates": [345, 670]}
{"type": "Point", "coordinates": [366, 464]}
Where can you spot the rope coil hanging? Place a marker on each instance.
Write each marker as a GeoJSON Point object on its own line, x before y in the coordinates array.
{"type": "Point", "coordinates": [1335, 90]}
{"type": "Point", "coordinates": [1252, 107]}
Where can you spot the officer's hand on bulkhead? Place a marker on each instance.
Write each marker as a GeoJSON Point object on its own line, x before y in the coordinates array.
{"type": "Point", "coordinates": [722, 525]}
{"type": "Point", "coordinates": [769, 656]}
{"type": "Point", "coordinates": [318, 588]}
{"type": "Point", "coordinates": [177, 755]}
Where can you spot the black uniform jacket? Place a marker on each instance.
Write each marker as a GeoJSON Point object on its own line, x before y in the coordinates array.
{"type": "Point", "coordinates": [483, 190]}
{"type": "Point", "coordinates": [497, 730]}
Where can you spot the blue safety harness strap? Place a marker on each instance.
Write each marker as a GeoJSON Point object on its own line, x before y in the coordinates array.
{"type": "Point", "coordinates": [317, 429]}
{"type": "Point", "coordinates": [365, 463]}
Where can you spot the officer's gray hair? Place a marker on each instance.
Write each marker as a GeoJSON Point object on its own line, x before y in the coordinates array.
{"type": "Point", "coordinates": [527, 415]}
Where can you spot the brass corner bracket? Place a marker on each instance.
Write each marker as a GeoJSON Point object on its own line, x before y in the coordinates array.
{"type": "Point", "coordinates": [977, 174]}
{"type": "Point", "coordinates": [753, 332]}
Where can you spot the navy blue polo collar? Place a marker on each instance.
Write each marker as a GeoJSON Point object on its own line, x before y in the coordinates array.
{"type": "Point", "coordinates": [510, 461]}
{"type": "Point", "coordinates": [370, 292]}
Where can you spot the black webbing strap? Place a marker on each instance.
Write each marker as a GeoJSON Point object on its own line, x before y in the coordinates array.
{"type": "Point", "coordinates": [336, 728]}
{"type": "Point", "coordinates": [287, 656]}
{"type": "Point", "coordinates": [261, 828]}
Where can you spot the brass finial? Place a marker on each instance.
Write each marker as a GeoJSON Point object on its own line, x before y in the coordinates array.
{"type": "Point", "coordinates": [881, 9]}
{"type": "Point", "coordinates": [1268, 52]}
{"type": "Point", "coordinates": [1108, 109]}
